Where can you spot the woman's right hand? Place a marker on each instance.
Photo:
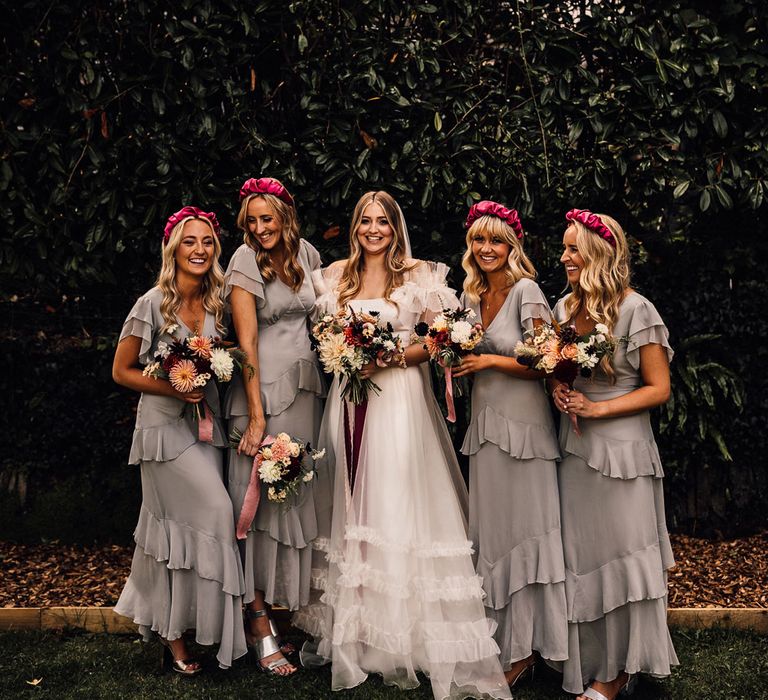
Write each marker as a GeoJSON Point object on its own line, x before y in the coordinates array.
{"type": "Point", "coordinates": [560, 397]}
{"type": "Point", "coordinates": [252, 437]}
{"type": "Point", "coordinates": [195, 396]}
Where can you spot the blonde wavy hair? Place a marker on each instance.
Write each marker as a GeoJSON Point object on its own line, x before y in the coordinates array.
{"type": "Point", "coordinates": [213, 283]}
{"type": "Point", "coordinates": [519, 264]}
{"type": "Point", "coordinates": [396, 261]}
{"type": "Point", "coordinates": [604, 279]}
{"type": "Point", "coordinates": [286, 215]}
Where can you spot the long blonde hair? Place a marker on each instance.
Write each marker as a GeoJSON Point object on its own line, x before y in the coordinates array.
{"type": "Point", "coordinates": [519, 264]}
{"type": "Point", "coordinates": [604, 279]}
{"type": "Point", "coordinates": [397, 262]}
{"type": "Point", "coordinates": [286, 214]}
{"type": "Point", "coordinates": [213, 283]}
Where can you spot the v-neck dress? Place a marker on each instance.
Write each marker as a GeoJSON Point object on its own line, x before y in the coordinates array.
{"type": "Point", "coordinates": [277, 553]}
{"type": "Point", "coordinates": [186, 571]}
{"type": "Point", "coordinates": [615, 540]}
{"type": "Point", "coordinates": [514, 506]}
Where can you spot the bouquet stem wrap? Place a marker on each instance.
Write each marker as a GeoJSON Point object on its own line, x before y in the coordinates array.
{"type": "Point", "coordinates": [353, 436]}
{"type": "Point", "coordinates": [205, 423]}
{"type": "Point", "coordinates": [252, 495]}
{"type": "Point", "coordinates": [449, 394]}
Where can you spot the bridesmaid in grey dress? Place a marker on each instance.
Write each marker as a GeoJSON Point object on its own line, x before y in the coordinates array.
{"type": "Point", "coordinates": [615, 539]}
{"type": "Point", "coordinates": [269, 288]}
{"type": "Point", "coordinates": [514, 508]}
{"type": "Point", "coordinates": [186, 572]}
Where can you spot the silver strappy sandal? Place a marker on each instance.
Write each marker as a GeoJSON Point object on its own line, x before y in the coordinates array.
{"type": "Point", "coordinates": [265, 647]}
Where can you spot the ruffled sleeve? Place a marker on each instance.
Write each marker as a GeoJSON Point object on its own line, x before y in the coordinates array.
{"type": "Point", "coordinates": [645, 328]}
{"type": "Point", "coordinates": [313, 257]}
{"type": "Point", "coordinates": [243, 271]}
{"type": "Point", "coordinates": [140, 325]}
{"type": "Point", "coordinates": [326, 282]}
{"type": "Point", "coordinates": [533, 304]}
{"type": "Point", "coordinates": [558, 313]}
{"type": "Point", "coordinates": [426, 291]}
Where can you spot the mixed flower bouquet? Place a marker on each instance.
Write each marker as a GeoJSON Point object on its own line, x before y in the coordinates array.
{"type": "Point", "coordinates": [190, 364]}
{"type": "Point", "coordinates": [451, 336]}
{"type": "Point", "coordinates": [283, 465]}
{"type": "Point", "coordinates": [561, 352]}
{"type": "Point", "coordinates": [346, 341]}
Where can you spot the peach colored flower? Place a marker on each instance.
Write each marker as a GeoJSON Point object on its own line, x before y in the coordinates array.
{"type": "Point", "coordinates": [182, 376]}
{"type": "Point", "coordinates": [279, 450]}
{"type": "Point", "coordinates": [200, 345]}
{"type": "Point", "coordinates": [569, 351]}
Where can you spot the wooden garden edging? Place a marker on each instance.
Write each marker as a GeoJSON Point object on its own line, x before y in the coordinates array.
{"type": "Point", "coordinates": [106, 620]}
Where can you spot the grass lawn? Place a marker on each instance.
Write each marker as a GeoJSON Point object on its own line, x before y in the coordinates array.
{"type": "Point", "coordinates": [715, 664]}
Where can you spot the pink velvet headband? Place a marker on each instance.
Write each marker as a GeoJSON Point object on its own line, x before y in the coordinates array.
{"type": "Point", "coordinates": [266, 185]}
{"type": "Point", "coordinates": [186, 212]}
{"type": "Point", "coordinates": [593, 222]}
{"type": "Point", "coordinates": [489, 208]}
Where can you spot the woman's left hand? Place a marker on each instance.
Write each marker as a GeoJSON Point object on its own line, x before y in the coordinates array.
{"type": "Point", "coordinates": [579, 405]}
{"type": "Point", "coordinates": [471, 364]}
{"type": "Point", "coordinates": [369, 369]}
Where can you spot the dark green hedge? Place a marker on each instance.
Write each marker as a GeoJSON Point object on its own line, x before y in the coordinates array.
{"type": "Point", "coordinates": [113, 114]}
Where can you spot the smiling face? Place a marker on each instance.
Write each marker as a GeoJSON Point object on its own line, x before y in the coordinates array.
{"type": "Point", "coordinates": [265, 227]}
{"type": "Point", "coordinates": [374, 233]}
{"type": "Point", "coordinates": [489, 251]}
{"type": "Point", "coordinates": [571, 258]}
{"type": "Point", "coordinates": [196, 251]}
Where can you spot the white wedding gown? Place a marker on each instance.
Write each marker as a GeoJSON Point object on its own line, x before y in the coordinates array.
{"type": "Point", "coordinates": [399, 590]}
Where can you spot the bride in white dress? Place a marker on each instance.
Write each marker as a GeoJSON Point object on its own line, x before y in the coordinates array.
{"type": "Point", "coordinates": [399, 591]}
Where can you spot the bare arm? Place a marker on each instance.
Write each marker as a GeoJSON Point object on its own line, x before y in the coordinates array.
{"type": "Point", "coordinates": [501, 363]}
{"type": "Point", "coordinates": [654, 369]}
{"type": "Point", "coordinates": [243, 305]}
{"type": "Point", "coordinates": [127, 372]}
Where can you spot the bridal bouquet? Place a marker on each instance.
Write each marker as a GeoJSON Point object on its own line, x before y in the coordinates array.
{"type": "Point", "coordinates": [561, 352]}
{"type": "Point", "coordinates": [451, 336]}
{"type": "Point", "coordinates": [283, 465]}
{"type": "Point", "coordinates": [346, 341]}
{"type": "Point", "coordinates": [190, 364]}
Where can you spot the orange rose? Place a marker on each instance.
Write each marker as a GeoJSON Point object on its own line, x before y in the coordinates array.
{"type": "Point", "coordinates": [569, 352]}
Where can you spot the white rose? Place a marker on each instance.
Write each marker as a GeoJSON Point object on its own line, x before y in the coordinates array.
{"type": "Point", "coordinates": [601, 328]}
{"type": "Point", "coordinates": [283, 437]}
{"type": "Point", "coordinates": [266, 453]}
{"type": "Point", "coordinates": [295, 449]}
{"type": "Point", "coordinates": [461, 332]}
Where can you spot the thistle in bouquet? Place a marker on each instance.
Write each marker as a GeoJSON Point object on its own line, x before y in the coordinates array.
{"type": "Point", "coordinates": [451, 336]}
{"type": "Point", "coordinates": [192, 362]}
{"type": "Point", "coordinates": [560, 352]}
{"type": "Point", "coordinates": [284, 465]}
{"type": "Point", "coordinates": [347, 341]}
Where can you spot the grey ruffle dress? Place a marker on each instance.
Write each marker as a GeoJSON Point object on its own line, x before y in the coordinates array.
{"type": "Point", "coordinates": [186, 572]}
{"type": "Point", "coordinates": [514, 508]}
{"type": "Point", "coordinates": [277, 552]}
{"type": "Point", "coordinates": [615, 539]}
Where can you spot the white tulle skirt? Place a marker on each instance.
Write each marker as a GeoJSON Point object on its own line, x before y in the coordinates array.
{"type": "Point", "coordinates": [400, 594]}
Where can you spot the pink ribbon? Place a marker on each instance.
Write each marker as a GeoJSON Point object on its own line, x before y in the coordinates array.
{"type": "Point", "coordinates": [449, 395]}
{"type": "Point", "coordinates": [252, 494]}
{"type": "Point", "coordinates": [205, 424]}
{"type": "Point", "coordinates": [353, 438]}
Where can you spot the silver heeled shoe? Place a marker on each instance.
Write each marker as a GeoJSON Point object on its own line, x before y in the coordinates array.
{"type": "Point", "coordinates": [185, 667]}
{"type": "Point", "coordinates": [286, 648]}
{"type": "Point", "coordinates": [627, 689]}
{"type": "Point", "coordinates": [265, 647]}
{"type": "Point", "coordinates": [525, 674]}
